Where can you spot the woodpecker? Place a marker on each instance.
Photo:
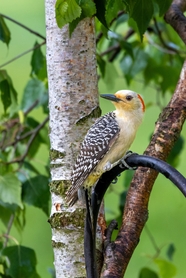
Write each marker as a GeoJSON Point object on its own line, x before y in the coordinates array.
{"type": "Point", "coordinates": [107, 141]}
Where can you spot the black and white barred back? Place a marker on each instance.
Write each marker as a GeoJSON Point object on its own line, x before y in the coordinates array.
{"type": "Point", "coordinates": [99, 139]}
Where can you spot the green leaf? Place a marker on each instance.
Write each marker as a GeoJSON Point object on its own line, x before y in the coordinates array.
{"type": "Point", "coordinates": [170, 251]}
{"type": "Point", "coordinates": [147, 273]}
{"type": "Point", "coordinates": [150, 72]}
{"type": "Point", "coordinates": [41, 137]}
{"type": "Point", "coordinates": [142, 12]}
{"type": "Point", "coordinates": [22, 262]}
{"type": "Point", "coordinates": [169, 77]}
{"type": "Point", "coordinates": [38, 63]}
{"type": "Point", "coordinates": [101, 10]}
{"type": "Point", "coordinates": [10, 189]}
{"type": "Point", "coordinates": [4, 32]}
{"type": "Point", "coordinates": [30, 125]}
{"type": "Point", "coordinates": [112, 9]}
{"type": "Point", "coordinates": [88, 9]}
{"type": "Point", "coordinates": [127, 47]}
{"type": "Point", "coordinates": [34, 91]}
{"type": "Point", "coordinates": [66, 11]}
{"type": "Point", "coordinates": [28, 166]}
{"type": "Point", "coordinates": [5, 94]}
{"type": "Point", "coordinates": [163, 6]}
{"type": "Point", "coordinates": [167, 269]}
{"type": "Point", "coordinates": [8, 93]}
{"type": "Point", "coordinates": [129, 5]}
{"type": "Point", "coordinates": [36, 192]}
{"type": "Point", "coordinates": [6, 211]}
{"type": "Point", "coordinates": [131, 67]}
{"type": "Point", "coordinates": [101, 64]}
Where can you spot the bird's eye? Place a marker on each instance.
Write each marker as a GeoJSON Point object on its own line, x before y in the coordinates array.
{"type": "Point", "coordinates": [129, 98]}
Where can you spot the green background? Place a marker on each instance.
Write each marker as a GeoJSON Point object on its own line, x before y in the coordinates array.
{"type": "Point", "coordinates": [167, 207]}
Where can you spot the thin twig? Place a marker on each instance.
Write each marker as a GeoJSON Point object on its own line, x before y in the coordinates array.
{"type": "Point", "coordinates": [110, 49]}
{"type": "Point", "coordinates": [9, 226]}
{"type": "Point", "coordinates": [162, 49]}
{"type": "Point", "coordinates": [23, 26]}
{"type": "Point", "coordinates": [16, 121]}
{"type": "Point", "coordinates": [100, 35]}
{"type": "Point", "coordinates": [35, 132]}
{"type": "Point", "coordinates": [162, 40]}
{"type": "Point", "coordinates": [23, 53]}
{"type": "Point", "coordinates": [10, 237]}
{"type": "Point", "coordinates": [152, 240]}
{"type": "Point", "coordinates": [116, 48]}
{"type": "Point", "coordinates": [31, 107]}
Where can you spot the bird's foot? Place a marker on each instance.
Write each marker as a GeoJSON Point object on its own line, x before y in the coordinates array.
{"type": "Point", "coordinates": [107, 166]}
{"type": "Point", "coordinates": [123, 163]}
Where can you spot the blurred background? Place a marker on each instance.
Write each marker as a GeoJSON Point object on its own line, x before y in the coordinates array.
{"type": "Point", "coordinates": [167, 207]}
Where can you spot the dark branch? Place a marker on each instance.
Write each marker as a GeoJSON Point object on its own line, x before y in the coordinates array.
{"type": "Point", "coordinates": [97, 196]}
{"type": "Point", "coordinates": [108, 233]}
{"type": "Point", "coordinates": [175, 17]}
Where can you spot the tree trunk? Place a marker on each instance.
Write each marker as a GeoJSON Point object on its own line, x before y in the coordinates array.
{"type": "Point", "coordinates": [73, 105]}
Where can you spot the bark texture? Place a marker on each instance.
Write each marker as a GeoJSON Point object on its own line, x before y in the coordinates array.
{"type": "Point", "coordinates": [73, 105]}
{"type": "Point", "coordinates": [176, 18]}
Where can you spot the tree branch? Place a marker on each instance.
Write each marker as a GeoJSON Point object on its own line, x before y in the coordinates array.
{"type": "Point", "coordinates": [30, 141]}
{"type": "Point", "coordinates": [23, 26]}
{"type": "Point", "coordinates": [119, 251]}
{"type": "Point", "coordinates": [22, 54]}
{"type": "Point", "coordinates": [175, 17]}
{"type": "Point", "coordinates": [167, 131]}
{"type": "Point", "coordinates": [10, 124]}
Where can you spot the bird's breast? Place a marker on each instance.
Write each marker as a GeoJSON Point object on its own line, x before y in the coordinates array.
{"type": "Point", "coordinates": [119, 148]}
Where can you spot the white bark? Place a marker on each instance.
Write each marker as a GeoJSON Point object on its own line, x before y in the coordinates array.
{"type": "Point", "coordinates": [73, 105]}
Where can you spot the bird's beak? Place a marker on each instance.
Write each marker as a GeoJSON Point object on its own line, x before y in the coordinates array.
{"type": "Point", "coordinates": [111, 97]}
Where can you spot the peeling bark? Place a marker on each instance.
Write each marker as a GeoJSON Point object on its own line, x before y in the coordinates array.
{"type": "Point", "coordinates": [73, 105]}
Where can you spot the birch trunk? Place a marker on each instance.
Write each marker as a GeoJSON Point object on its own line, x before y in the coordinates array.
{"type": "Point", "coordinates": [73, 105]}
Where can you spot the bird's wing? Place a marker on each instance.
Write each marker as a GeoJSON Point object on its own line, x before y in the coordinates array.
{"type": "Point", "coordinates": [99, 139]}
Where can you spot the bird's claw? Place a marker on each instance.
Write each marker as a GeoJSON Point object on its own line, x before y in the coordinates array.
{"type": "Point", "coordinates": [123, 163]}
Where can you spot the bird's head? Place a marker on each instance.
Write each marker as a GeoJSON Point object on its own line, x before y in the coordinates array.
{"type": "Point", "coordinates": [126, 100]}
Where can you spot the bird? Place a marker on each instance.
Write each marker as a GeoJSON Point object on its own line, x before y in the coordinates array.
{"type": "Point", "coordinates": [107, 141]}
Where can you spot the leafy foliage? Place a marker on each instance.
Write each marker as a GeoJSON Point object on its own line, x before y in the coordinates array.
{"type": "Point", "coordinates": [88, 9]}
{"type": "Point", "coordinates": [36, 192]}
{"type": "Point", "coordinates": [21, 183]}
{"type": "Point", "coordinates": [147, 273]}
{"type": "Point", "coordinates": [35, 92]}
{"type": "Point", "coordinates": [8, 93]}
{"type": "Point", "coordinates": [10, 189]}
{"type": "Point", "coordinates": [163, 6]}
{"type": "Point", "coordinates": [141, 11]}
{"type": "Point", "coordinates": [38, 63]}
{"type": "Point", "coordinates": [4, 32]}
{"type": "Point", "coordinates": [66, 11]}
{"type": "Point", "coordinates": [166, 268]}
{"type": "Point", "coordinates": [22, 262]}
{"type": "Point", "coordinates": [156, 62]}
